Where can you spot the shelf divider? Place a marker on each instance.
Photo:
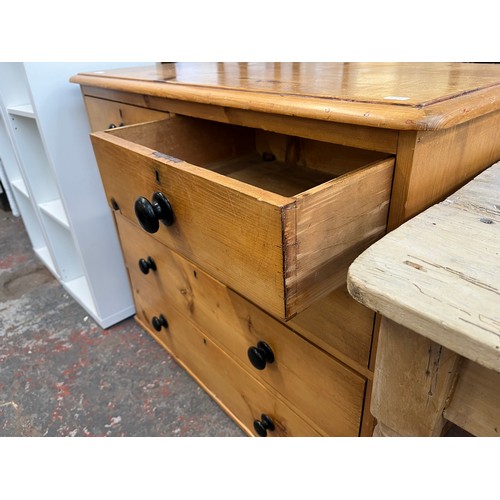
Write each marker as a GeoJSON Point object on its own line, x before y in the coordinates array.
{"type": "Point", "coordinates": [55, 210]}
{"type": "Point", "coordinates": [22, 110]}
{"type": "Point", "coordinates": [80, 291]}
{"type": "Point", "coordinates": [44, 255]}
{"type": "Point", "coordinates": [21, 187]}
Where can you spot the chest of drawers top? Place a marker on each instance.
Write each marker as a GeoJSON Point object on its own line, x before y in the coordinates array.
{"type": "Point", "coordinates": [402, 96]}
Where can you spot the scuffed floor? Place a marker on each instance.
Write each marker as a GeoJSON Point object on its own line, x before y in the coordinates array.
{"type": "Point", "coordinates": [62, 375]}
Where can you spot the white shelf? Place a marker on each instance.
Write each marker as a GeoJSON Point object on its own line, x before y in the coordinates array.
{"type": "Point", "coordinates": [21, 187]}
{"type": "Point", "coordinates": [56, 211]}
{"type": "Point", "coordinates": [44, 256]}
{"type": "Point", "coordinates": [34, 160]}
{"type": "Point", "coordinates": [24, 110]}
{"type": "Point", "coordinates": [80, 248]}
{"type": "Point", "coordinates": [79, 289]}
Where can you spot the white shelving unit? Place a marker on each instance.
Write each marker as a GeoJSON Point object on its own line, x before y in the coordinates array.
{"type": "Point", "coordinates": [55, 186]}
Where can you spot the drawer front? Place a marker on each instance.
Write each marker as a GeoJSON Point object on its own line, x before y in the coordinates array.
{"type": "Point", "coordinates": [301, 373]}
{"type": "Point", "coordinates": [105, 114]}
{"type": "Point", "coordinates": [281, 250]}
{"type": "Point", "coordinates": [242, 396]}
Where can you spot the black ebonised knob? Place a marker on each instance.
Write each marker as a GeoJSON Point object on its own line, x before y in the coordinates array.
{"type": "Point", "coordinates": [111, 125]}
{"type": "Point", "coordinates": [263, 425]}
{"type": "Point", "coordinates": [261, 355]}
{"type": "Point", "coordinates": [151, 214]}
{"type": "Point", "coordinates": [158, 322]}
{"type": "Point", "coordinates": [146, 264]}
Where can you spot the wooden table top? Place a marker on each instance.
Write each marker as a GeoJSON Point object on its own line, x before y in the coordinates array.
{"type": "Point", "coordinates": [439, 273]}
{"type": "Point", "coordinates": [402, 96]}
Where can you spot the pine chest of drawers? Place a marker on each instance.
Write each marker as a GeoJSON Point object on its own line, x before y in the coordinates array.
{"type": "Point", "coordinates": [241, 200]}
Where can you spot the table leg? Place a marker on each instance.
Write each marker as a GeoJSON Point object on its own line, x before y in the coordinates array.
{"type": "Point", "coordinates": [413, 380]}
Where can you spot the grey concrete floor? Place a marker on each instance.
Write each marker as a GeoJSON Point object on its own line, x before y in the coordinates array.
{"type": "Point", "coordinates": [62, 375]}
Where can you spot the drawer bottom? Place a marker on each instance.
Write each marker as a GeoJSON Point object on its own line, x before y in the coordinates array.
{"type": "Point", "coordinates": [239, 394]}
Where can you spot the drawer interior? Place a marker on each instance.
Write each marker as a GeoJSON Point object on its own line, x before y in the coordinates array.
{"type": "Point", "coordinates": [282, 164]}
{"type": "Point", "coordinates": [288, 214]}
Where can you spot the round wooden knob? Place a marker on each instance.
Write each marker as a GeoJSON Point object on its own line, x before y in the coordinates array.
{"type": "Point", "coordinates": [146, 264]}
{"type": "Point", "coordinates": [158, 322]}
{"type": "Point", "coordinates": [260, 355]}
{"type": "Point", "coordinates": [151, 214]}
{"type": "Point", "coordinates": [263, 425]}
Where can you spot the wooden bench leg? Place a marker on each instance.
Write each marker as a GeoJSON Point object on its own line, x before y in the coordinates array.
{"type": "Point", "coordinates": [413, 380]}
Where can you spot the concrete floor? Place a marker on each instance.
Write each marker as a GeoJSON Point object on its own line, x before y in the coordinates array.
{"type": "Point", "coordinates": [62, 375]}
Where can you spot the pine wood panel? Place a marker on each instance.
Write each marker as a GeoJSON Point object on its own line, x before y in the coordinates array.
{"type": "Point", "coordinates": [401, 96]}
{"type": "Point", "coordinates": [432, 165]}
{"type": "Point", "coordinates": [339, 325]}
{"type": "Point", "coordinates": [216, 225]}
{"type": "Point", "coordinates": [253, 227]}
{"type": "Point", "coordinates": [413, 379]}
{"type": "Point", "coordinates": [438, 274]}
{"type": "Point", "coordinates": [475, 403]}
{"type": "Point", "coordinates": [370, 138]}
{"type": "Point", "coordinates": [237, 392]}
{"type": "Point", "coordinates": [103, 113]}
{"type": "Point", "coordinates": [334, 225]}
{"type": "Point", "coordinates": [236, 324]}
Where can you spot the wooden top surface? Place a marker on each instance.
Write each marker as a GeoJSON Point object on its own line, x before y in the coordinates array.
{"type": "Point", "coordinates": [439, 273]}
{"type": "Point", "coordinates": [389, 95]}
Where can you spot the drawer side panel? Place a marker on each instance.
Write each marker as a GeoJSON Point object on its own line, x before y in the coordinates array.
{"type": "Point", "coordinates": [334, 225]}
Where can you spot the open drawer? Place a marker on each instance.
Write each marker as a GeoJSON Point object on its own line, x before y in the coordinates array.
{"type": "Point", "coordinates": [277, 218]}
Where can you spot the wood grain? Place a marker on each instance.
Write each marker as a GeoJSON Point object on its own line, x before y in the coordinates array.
{"type": "Point", "coordinates": [215, 224]}
{"type": "Point", "coordinates": [365, 137]}
{"type": "Point", "coordinates": [339, 325]}
{"type": "Point", "coordinates": [334, 225]}
{"type": "Point", "coordinates": [235, 325]}
{"type": "Point", "coordinates": [413, 380]}
{"type": "Point", "coordinates": [103, 113]}
{"type": "Point", "coordinates": [244, 399]}
{"type": "Point", "coordinates": [282, 252]}
{"type": "Point", "coordinates": [438, 274]}
{"type": "Point", "coordinates": [475, 404]}
{"type": "Point", "coordinates": [411, 96]}
{"type": "Point", "coordinates": [432, 165]}
{"type": "Point", "coordinates": [443, 135]}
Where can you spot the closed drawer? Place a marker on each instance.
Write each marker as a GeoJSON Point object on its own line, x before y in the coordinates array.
{"type": "Point", "coordinates": [104, 114]}
{"type": "Point", "coordinates": [324, 391]}
{"type": "Point", "coordinates": [242, 396]}
{"type": "Point", "coordinates": [277, 218]}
